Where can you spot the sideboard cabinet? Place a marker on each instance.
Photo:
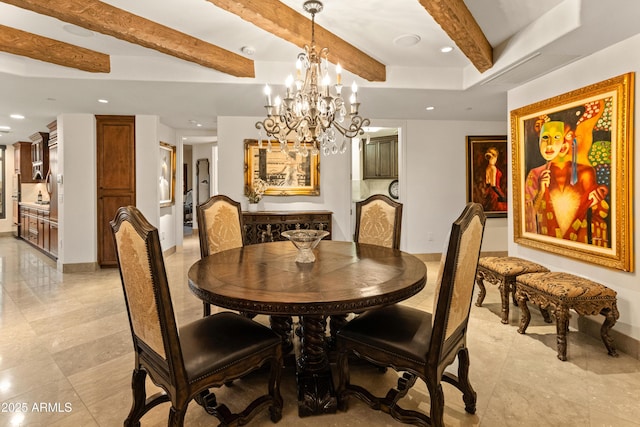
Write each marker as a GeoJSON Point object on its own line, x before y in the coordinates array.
{"type": "Point", "coordinates": [267, 226]}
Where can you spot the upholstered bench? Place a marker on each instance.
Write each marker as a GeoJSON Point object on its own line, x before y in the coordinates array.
{"type": "Point", "coordinates": [560, 292]}
{"type": "Point", "coordinates": [503, 272]}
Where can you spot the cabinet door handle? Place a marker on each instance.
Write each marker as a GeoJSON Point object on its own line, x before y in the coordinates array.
{"type": "Point", "coordinates": [48, 182]}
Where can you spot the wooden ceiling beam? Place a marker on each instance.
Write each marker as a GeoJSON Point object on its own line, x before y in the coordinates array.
{"type": "Point", "coordinates": [456, 20]}
{"type": "Point", "coordinates": [284, 22]}
{"type": "Point", "coordinates": [106, 19]}
{"type": "Point", "coordinates": [18, 42]}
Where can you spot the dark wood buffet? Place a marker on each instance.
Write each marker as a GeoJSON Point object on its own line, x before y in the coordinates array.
{"type": "Point", "coordinates": [267, 226]}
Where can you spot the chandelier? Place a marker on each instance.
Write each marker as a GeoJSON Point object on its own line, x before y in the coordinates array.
{"type": "Point", "coordinates": [310, 113]}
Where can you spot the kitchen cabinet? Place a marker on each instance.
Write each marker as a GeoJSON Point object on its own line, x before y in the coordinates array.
{"type": "Point", "coordinates": [38, 229]}
{"type": "Point", "coordinates": [22, 162]}
{"type": "Point", "coordinates": [267, 226]}
{"type": "Point", "coordinates": [380, 158]}
{"type": "Point", "coordinates": [39, 155]}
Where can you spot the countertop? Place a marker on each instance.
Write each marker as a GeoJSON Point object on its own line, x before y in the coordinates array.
{"type": "Point", "coordinates": [36, 205]}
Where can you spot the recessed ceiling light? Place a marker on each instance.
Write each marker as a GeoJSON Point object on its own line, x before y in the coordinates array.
{"type": "Point", "coordinates": [430, 108]}
{"type": "Point", "coordinates": [103, 101]}
{"type": "Point", "coordinates": [407, 40]}
{"type": "Point", "coordinates": [248, 50]}
{"type": "Point", "coordinates": [5, 127]}
{"type": "Point", "coordinates": [446, 49]}
{"type": "Point", "coordinates": [199, 125]}
{"type": "Point", "coordinates": [17, 116]}
{"type": "Point", "coordinates": [77, 31]}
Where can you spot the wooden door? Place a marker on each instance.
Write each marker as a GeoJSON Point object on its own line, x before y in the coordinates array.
{"type": "Point", "coordinates": [116, 171]}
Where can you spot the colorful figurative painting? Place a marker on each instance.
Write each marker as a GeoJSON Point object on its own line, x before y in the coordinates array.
{"type": "Point", "coordinates": [572, 168]}
{"type": "Point", "coordinates": [487, 173]}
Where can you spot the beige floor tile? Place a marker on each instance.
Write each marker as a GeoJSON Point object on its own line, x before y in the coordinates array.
{"type": "Point", "coordinates": [65, 339]}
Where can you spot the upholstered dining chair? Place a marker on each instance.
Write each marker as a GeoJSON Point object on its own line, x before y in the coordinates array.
{"type": "Point", "coordinates": [185, 362]}
{"type": "Point", "coordinates": [378, 221]}
{"type": "Point", "coordinates": [417, 343]}
{"type": "Point", "coordinates": [219, 228]}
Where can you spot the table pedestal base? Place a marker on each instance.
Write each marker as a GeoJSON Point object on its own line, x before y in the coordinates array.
{"type": "Point", "coordinates": [316, 393]}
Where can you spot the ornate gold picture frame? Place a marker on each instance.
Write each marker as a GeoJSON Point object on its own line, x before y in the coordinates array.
{"type": "Point", "coordinates": [572, 173]}
{"type": "Point", "coordinates": [286, 174]}
{"type": "Point", "coordinates": [167, 175]}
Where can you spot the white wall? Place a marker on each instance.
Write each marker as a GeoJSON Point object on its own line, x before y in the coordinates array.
{"type": "Point", "coordinates": [436, 183]}
{"type": "Point", "coordinates": [432, 176]}
{"type": "Point", "coordinates": [77, 203]}
{"type": "Point", "coordinates": [149, 133]}
{"type": "Point", "coordinates": [610, 62]}
{"type": "Point", "coordinates": [77, 194]}
{"type": "Point", "coordinates": [335, 177]}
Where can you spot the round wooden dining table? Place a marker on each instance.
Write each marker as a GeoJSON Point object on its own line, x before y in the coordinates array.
{"type": "Point", "coordinates": [345, 278]}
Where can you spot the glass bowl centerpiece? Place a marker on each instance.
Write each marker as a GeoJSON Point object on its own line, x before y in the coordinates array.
{"type": "Point", "coordinates": [305, 241]}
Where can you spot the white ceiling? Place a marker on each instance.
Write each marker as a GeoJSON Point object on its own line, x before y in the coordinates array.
{"type": "Point", "coordinates": [529, 37]}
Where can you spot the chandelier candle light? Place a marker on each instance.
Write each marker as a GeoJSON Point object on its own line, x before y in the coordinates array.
{"type": "Point", "coordinates": [309, 112]}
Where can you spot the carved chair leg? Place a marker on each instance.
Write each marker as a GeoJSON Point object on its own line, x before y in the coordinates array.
{"type": "Point", "coordinates": [282, 325]}
{"type": "Point", "coordinates": [207, 400]}
{"type": "Point", "coordinates": [546, 314]}
{"type": "Point", "coordinates": [437, 405]}
{"type": "Point", "coordinates": [342, 365]}
{"type": "Point", "coordinates": [610, 318]}
{"type": "Point", "coordinates": [525, 315]}
{"type": "Point", "coordinates": [505, 290]}
{"type": "Point", "coordinates": [138, 389]}
{"type": "Point", "coordinates": [336, 322]}
{"type": "Point", "coordinates": [176, 416]}
{"type": "Point", "coordinates": [469, 396]}
{"type": "Point", "coordinates": [562, 324]}
{"type": "Point", "coordinates": [482, 291]}
{"type": "Point", "coordinates": [206, 309]}
{"type": "Point", "coordinates": [275, 409]}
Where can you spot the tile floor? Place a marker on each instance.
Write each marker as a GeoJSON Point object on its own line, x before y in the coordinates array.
{"type": "Point", "coordinates": [66, 354]}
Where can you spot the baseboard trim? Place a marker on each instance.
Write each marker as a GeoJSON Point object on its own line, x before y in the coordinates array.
{"type": "Point", "coordinates": [436, 256]}
{"type": "Point", "coordinates": [81, 267]}
{"type": "Point", "coordinates": [590, 325]}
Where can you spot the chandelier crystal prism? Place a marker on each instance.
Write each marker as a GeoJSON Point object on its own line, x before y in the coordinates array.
{"type": "Point", "coordinates": [310, 114]}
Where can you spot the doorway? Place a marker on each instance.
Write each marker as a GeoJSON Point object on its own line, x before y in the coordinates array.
{"type": "Point", "coordinates": [375, 166]}
{"type": "Point", "coordinates": [200, 176]}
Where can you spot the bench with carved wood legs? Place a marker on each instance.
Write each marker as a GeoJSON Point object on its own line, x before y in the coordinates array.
{"type": "Point", "coordinates": [559, 292]}
{"type": "Point", "coordinates": [503, 272]}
